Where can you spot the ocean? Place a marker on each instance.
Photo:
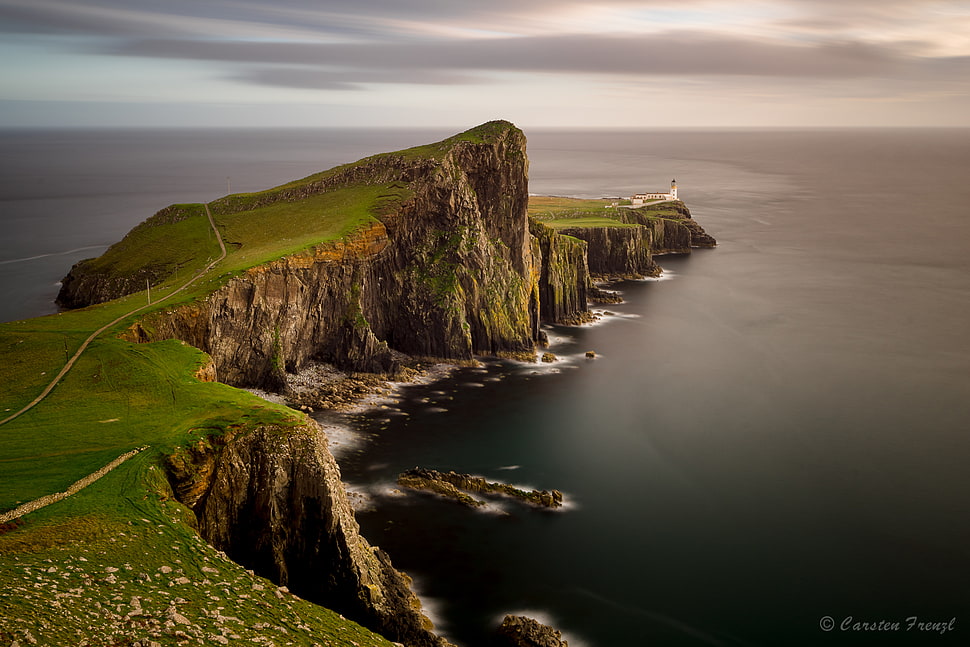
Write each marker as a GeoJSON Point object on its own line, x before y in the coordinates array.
{"type": "Point", "coordinates": [771, 445]}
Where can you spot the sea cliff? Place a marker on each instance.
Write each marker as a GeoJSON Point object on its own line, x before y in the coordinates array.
{"type": "Point", "coordinates": [273, 501]}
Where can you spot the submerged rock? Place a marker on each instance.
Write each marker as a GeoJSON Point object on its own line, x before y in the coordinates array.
{"type": "Point", "coordinates": [522, 631]}
{"type": "Point", "coordinates": [460, 487]}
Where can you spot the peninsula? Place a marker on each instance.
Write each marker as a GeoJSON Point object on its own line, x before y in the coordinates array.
{"type": "Point", "coordinates": [231, 523]}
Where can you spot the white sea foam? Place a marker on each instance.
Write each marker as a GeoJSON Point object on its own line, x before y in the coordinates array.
{"type": "Point", "coordinates": [341, 438]}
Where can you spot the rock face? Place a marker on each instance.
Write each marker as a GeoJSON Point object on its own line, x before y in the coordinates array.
{"type": "Point", "coordinates": [617, 252]}
{"type": "Point", "coordinates": [521, 631]}
{"type": "Point", "coordinates": [273, 501]}
{"type": "Point", "coordinates": [564, 281]}
{"type": "Point", "coordinates": [674, 233]}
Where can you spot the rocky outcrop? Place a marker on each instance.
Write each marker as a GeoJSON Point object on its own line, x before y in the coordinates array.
{"type": "Point", "coordinates": [460, 486]}
{"type": "Point", "coordinates": [273, 501]}
{"type": "Point", "coordinates": [698, 237]}
{"type": "Point", "coordinates": [522, 631]}
{"type": "Point", "coordinates": [616, 252]}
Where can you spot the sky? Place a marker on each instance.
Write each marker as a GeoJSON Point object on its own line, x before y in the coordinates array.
{"type": "Point", "coordinates": [437, 63]}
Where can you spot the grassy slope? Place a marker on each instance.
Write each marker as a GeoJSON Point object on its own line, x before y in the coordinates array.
{"type": "Point", "coordinates": [75, 572]}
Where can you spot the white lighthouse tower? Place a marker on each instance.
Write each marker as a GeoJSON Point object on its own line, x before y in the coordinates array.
{"type": "Point", "coordinates": [673, 189]}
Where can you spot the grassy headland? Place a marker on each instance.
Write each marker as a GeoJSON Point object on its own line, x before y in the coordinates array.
{"type": "Point", "coordinates": [119, 559]}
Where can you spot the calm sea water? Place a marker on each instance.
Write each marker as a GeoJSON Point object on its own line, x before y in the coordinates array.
{"type": "Point", "coordinates": [775, 435]}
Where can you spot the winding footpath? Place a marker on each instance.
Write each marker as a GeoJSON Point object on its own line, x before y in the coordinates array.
{"type": "Point", "coordinates": [82, 483]}
{"type": "Point", "coordinates": [96, 333]}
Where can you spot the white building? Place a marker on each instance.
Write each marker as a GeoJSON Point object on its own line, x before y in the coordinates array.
{"type": "Point", "coordinates": [639, 198]}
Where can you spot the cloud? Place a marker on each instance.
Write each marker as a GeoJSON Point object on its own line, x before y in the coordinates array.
{"type": "Point", "coordinates": [309, 78]}
{"type": "Point", "coordinates": [676, 53]}
{"type": "Point", "coordinates": [521, 53]}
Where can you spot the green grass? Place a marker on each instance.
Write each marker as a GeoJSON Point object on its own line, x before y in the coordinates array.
{"type": "Point", "coordinates": [120, 396]}
{"type": "Point", "coordinates": [560, 213]}
{"type": "Point", "coordinates": [164, 247]}
{"type": "Point", "coordinates": [117, 397]}
{"type": "Point", "coordinates": [485, 133]}
{"type": "Point", "coordinates": [261, 235]}
{"type": "Point", "coordinates": [585, 222]}
{"type": "Point", "coordinates": [661, 210]}
{"type": "Point", "coordinates": [543, 207]}
{"type": "Point", "coordinates": [71, 572]}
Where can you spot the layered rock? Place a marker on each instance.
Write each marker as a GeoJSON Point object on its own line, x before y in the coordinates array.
{"type": "Point", "coordinates": [273, 501]}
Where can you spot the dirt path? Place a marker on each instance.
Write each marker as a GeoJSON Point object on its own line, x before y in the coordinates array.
{"type": "Point", "coordinates": [96, 333]}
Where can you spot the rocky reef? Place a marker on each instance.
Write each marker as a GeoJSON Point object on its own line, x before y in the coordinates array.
{"type": "Point", "coordinates": [522, 631]}
{"type": "Point", "coordinates": [460, 487]}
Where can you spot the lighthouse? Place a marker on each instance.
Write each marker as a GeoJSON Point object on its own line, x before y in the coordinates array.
{"type": "Point", "coordinates": [673, 189]}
